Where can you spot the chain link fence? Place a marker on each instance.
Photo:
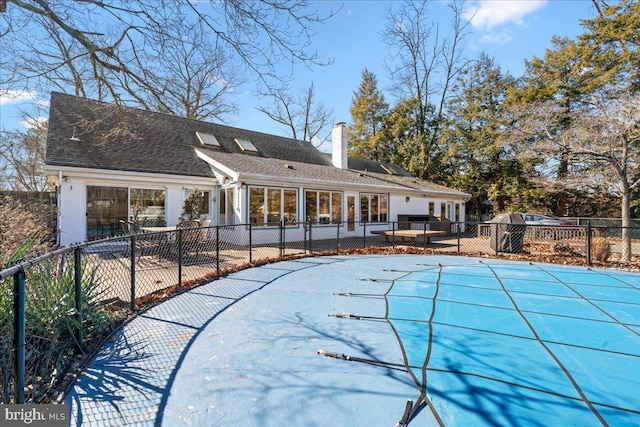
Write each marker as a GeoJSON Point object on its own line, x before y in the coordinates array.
{"type": "Point", "coordinates": [57, 308]}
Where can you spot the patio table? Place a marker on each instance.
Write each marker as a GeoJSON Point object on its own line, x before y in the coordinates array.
{"type": "Point", "coordinates": [158, 229]}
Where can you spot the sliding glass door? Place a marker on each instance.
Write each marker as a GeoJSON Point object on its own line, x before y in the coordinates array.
{"type": "Point", "coordinates": [106, 206]}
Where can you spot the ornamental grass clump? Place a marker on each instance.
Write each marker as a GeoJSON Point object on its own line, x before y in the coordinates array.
{"type": "Point", "coordinates": [50, 324]}
{"type": "Point", "coordinates": [600, 249]}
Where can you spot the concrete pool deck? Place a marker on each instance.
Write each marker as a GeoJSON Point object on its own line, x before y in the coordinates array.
{"type": "Point", "coordinates": [243, 350]}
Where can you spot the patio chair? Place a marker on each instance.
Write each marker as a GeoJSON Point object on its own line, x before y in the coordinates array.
{"type": "Point", "coordinates": [127, 227]}
{"type": "Point", "coordinates": [154, 222]}
{"type": "Point", "coordinates": [190, 235]}
{"type": "Point", "coordinates": [146, 244]}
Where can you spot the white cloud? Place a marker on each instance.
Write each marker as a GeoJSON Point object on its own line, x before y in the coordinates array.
{"type": "Point", "coordinates": [16, 96]}
{"type": "Point", "coordinates": [500, 38]}
{"type": "Point", "coordinates": [31, 123]}
{"type": "Point", "coordinates": [486, 14]}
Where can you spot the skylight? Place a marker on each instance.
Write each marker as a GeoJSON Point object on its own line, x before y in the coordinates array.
{"type": "Point", "coordinates": [246, 145]}
{"type": "Point", "coordinates": [207, 139]}
{"type": "Point", "coordinates": [389, 170]}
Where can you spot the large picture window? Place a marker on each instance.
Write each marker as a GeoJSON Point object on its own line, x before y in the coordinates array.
{"type": "Point", "coordinates": [269, 206]}
{"type": "Point", "coordinates": [374, 207]}
{"type": "Point", "coordinates": [108, 206]}
{"type": "Point", "coordinates": [146, 205]}
{"type": "Point", "coordinates": [323, 207]}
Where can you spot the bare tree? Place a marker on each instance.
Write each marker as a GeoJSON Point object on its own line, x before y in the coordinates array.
{"type": "Point", "coordinates": [609, 133]}
{"type": "Point", "coordinates": [423, 65]}
{"type": "Point", "coordinates": [600, 139]}
{"type": "Point", "coordinates": [305, 119]}
{"type": "Point", "coordinates": [196, 77]}
{"type": "Point", "coordinates": [22, 158]}
{"type": "Point", "coordinates": [114, 45]}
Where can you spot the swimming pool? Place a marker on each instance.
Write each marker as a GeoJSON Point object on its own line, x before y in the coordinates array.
{"type": "Point", "coordinates": [521, 344]}
{"type": "Point", "coordinates": [482, 342]}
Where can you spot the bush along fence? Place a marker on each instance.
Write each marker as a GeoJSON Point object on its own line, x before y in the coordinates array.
{"type": "Point", "coordinates": [57, 308]}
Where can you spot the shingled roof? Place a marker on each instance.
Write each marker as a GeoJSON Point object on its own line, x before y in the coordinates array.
{"type": "Point", "coordinates": [122, 138]}
{"type": "Point", "coordinates": [90, 134]}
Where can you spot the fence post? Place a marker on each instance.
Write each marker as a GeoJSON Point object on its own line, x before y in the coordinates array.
{"type": "Point", "coordinates": [180, 257]}
{"type": "Point", "coordinates": [393, 234]}
{"type": "Point", "coordinates": [217, 249]}
{"type": "Point", "coordinates": [588, 243]}
{"type": "Point", "coordinates": [364, 235]}
{"type": "Point", "coordinates": [77, 270]}
{"type": "Point", "coordinates": [338, 237]}
{"type": "Point", "coordinates": [496, 231]}
{"type": "Point", "coordinates": [281, 238]}
{"type": "Point", "coordinates": [132, 257]}
{"type": "Point", "coordinates": [424, 235]}
{"type": "Point", "coordinates": [310, 237]}
{"type": "Point", "coordinates": [19, 279]}
{"type": "Point", "coordinates": [459, 227]}
{"type": "Point", "coordinates": [304, 234]}
{"type": "Point", "coordinates": [250, 243]}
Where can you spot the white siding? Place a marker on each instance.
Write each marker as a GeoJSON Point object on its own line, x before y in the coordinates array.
{"type": "Point", "coordinates": [73, 198]}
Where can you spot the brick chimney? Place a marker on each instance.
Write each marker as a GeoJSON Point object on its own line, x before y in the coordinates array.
{"type": "Point", "coordinates": [339, 146]}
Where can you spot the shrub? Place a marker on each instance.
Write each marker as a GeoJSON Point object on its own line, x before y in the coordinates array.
{"type": "Point", "coordinates": [192, 205]}
{"type": "Point", "coordinates": [20, 223]}
{"type": "Point", "coordinates": [600, 249]}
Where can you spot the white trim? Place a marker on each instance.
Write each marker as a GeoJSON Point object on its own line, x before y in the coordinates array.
{"type": "Point", "coordinates": [224, 169]}
{"type": "Point", "coordinates": [342, 186]}
{"type": "Point", "coordinates": [128, 176]}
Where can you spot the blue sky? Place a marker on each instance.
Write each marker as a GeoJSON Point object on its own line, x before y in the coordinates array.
{"type": "Point", "coordinates": [508, 30]}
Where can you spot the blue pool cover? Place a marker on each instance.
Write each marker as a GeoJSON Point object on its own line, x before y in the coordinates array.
{"type": "Point", "coordinates": [521, 344]}
{"type": "Point", "coordinates": [416, 340]}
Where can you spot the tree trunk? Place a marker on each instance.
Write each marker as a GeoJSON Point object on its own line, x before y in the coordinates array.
{"type": "Point", "coordinates": [563, 171]}
{"type": "Point", "coordinates": [626, 223]}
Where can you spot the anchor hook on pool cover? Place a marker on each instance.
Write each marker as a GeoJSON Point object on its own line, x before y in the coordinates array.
{"type": "Point", "coordinates": [404, 421]}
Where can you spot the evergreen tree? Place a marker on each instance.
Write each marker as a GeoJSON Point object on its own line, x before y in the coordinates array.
{"type": "Point", "coordinates": [609, 45]}
{"type": "Point", "coordinates": [402, 137]}
{"type": "Point", "coordinates": [368, 109]}
{"type": "Point", "coordinates": [551, 91]}
{"type": "Point", "coordinates": [479, 159]}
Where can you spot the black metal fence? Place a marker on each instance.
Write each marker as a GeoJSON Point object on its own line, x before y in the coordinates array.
{"type": "Point", "coordinates": [57, 307]}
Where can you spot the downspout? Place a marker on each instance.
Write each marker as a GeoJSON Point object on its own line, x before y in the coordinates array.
{"type": "Point", "coordinates": [58, 210]}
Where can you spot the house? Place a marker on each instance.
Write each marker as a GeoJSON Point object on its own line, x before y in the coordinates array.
{"type": "Point", "coordinates": [112, 163]}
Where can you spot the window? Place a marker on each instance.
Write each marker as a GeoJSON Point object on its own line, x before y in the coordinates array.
{"type": "Point", "coordinates": [274, 205]}
{"type": "Point", "coordinates": [207, 139]}
{"type": "Point", "coordinates": [374, 207]}
{"type": "Point", "coordinates": [246, 145]}
{"type": "Point", "coordinates": [225, 216]}
{"type": "Point", "coordinates": [290, 206]}
{"type": "Point", "coordinates": [432, 209]}
{"type": "Point", "coordinates": [204, 206]}
{"type": "Point", "coordinates": [146, 204]}
{"type": "Point", "coordinates": [268, 206]}
{"type": "Point", "coordinates": [323, 207]}
{"type": "Point", "coordinates": [457, 217]}
{"type": "Point", "coordinates": [388, 170]}
{"type": "Point", "coordinates": [107, 206]}
{"type": "Point", "coordinates": [336, 207]}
